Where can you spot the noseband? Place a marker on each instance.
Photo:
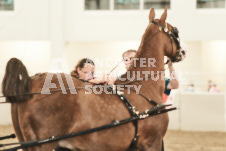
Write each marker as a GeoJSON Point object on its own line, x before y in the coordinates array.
{"type": "Point", "coordinates": [173, 35]}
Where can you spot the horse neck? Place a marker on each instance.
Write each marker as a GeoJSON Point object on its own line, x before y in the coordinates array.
{"type": "Point", "coordinates": [154, 83]}
{"type": "Point", "coordinates": [153, 54]}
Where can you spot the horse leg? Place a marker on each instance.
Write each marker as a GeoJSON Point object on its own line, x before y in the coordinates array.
{"type": "Point", "coordinates": [157, 146]}
{"type": "Point", "coordinates": [162, 145]}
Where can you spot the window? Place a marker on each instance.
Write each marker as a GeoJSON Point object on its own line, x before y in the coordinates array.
{"type": "Point", "coordinates": [210, 4]}
{"type": "Point", "coordinates": [6, 4]}
{"type": "Point", "coordinates": [97, 4]}
{"type": "Point", "coordinates": [157, 4]}
{"type": "Point", "coordinates": [126, 4]}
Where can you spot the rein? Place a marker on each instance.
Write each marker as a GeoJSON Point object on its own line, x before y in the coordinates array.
{"type": "Point", "coordinates": [44, 92]}
{"type": "Point", "coordinates": [35, 93]}
{"type": "Point", "coordinates": [115, 66]}
{"type": "Point", "coordinates": [161, 28]}
{"type": "Point", "coordinates": [141, 79]}
{"type": "Point", "coordinates": [7, 137]}
{"type": "Point", "coordinates": [57, 90]}
{"type": "Point", "coordinates": [171, 36]}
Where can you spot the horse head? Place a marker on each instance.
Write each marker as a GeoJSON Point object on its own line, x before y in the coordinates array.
{"type": "Point", "coordinates": [170, 34]}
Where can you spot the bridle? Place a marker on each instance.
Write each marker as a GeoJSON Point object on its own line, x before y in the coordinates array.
{"type": "Point", "coordinates": [173, 35]}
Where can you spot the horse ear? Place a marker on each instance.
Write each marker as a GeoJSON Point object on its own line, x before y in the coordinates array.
{"type": "Point", "coordinates": [152, 14]}
{"type": "Point", "coordinates": [164, 15]}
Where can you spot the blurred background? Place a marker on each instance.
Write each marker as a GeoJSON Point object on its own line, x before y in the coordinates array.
{"type": "Point", "coordinates": [41, 31]}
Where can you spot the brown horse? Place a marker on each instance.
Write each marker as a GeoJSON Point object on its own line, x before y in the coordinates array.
{"type": "Point", "coordinates": [40, 116]}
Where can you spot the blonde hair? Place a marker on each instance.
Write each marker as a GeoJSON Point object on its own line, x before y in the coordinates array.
{"type": "Point", "coordinates": [128, 51]}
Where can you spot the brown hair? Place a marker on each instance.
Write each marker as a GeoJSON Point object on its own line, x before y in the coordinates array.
{"type": "Point", "coordinates": [81, 64]}
{"type": "Point", "coordinates": [128, 51]}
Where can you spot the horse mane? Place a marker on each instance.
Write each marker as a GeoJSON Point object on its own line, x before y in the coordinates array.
{"type": "Point", "coordinates": [141, 47]}
{"type": "Point", "coordinates": [38, 75]}
{"type": "Point", "coordinates": [16, 81]}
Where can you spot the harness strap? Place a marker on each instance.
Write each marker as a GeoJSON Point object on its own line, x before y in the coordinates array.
{"type": "Point", "coordinates": [7, 137]}
{"type": "Point", "coordinates": [149, 100]}
{"type": "Point", "coordinates": [134, 113]}
{"type": "Point", "coordinates": [150, 112]}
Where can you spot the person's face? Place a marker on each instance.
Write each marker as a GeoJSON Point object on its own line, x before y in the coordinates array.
{"type": "Point", "coordinates": [128, 59]}
{"type": "Point", "coordinates": [86, 73]}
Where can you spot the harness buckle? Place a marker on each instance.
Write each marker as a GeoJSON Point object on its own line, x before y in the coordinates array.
{"type": "Point", "coordinates": [166, 30]}
{"type": "Point", "coordinates": [114, 88]}
{"type": "Point", "coordinates": [135, 110]}
{"type": "Point", "coordinates": [143, 116]}
{"type": "Point", "coordinates": [119, 93]}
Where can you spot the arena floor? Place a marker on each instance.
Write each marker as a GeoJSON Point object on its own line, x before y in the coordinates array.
{"type": "Point", "coordinates": [174, 140]}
